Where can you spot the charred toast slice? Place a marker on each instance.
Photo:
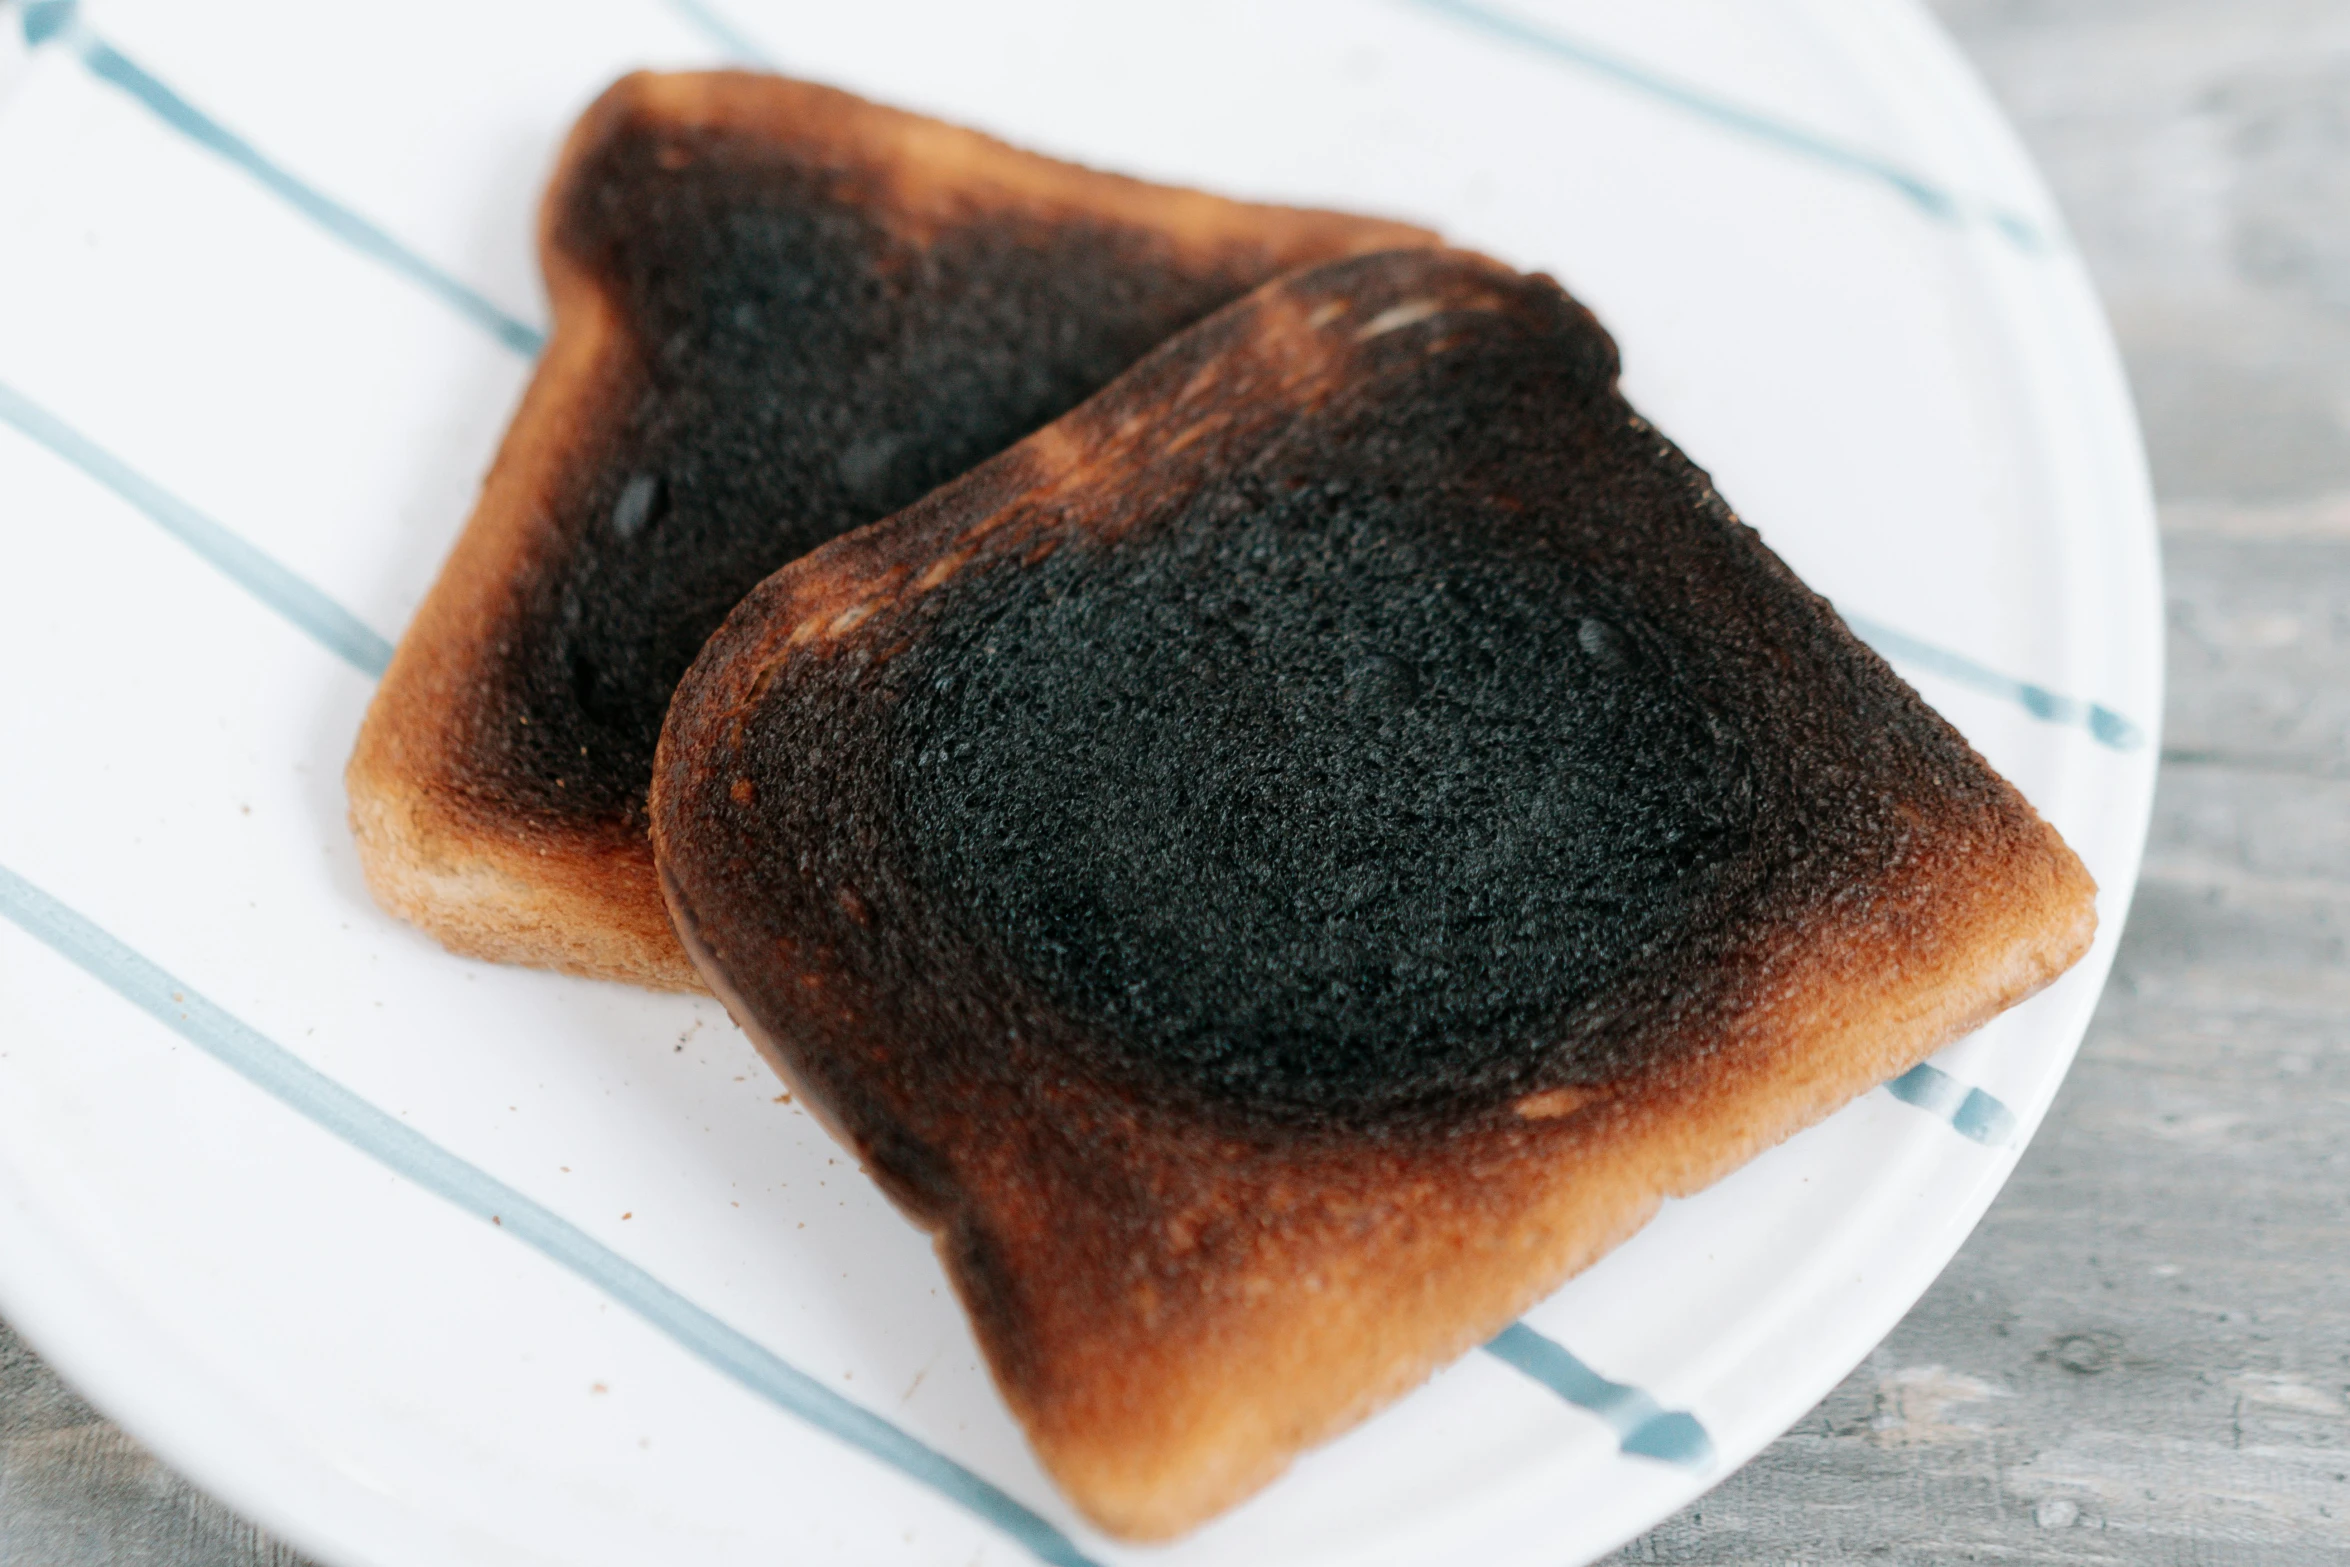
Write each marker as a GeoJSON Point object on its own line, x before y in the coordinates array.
{"type": "Point", "coordinates": [780, 312]}
{"type": "Point", "coordinates": [1296, 858]}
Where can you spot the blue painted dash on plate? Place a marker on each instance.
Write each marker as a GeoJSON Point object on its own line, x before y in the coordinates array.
{"type": "Point", "coordinates": [327, 1103]}
{"type": "Point", "coordinates": [335, 628]}
{"type": "Point", "coordinates": [1642, 1425]}
{"type": "Point", "coordinates": [730, 39]}
{"type": "Point", "coordinates": [1929, 196]}
{"type": "Point", "coordinates": [60, 20]}
{"type": "Point", "coordinates": [1972, 1113]}
{"type": "Point", "coordinates": [2105, 726]}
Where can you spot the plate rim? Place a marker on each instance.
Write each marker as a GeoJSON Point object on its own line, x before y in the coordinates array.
{"type": "Point", "coordinates": [123, 1361]}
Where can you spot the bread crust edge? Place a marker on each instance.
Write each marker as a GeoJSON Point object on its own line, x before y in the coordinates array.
{"type": "Point", "coordinates": [1152, 1424]}
{"type": "Point", "coordinates": [1671, 1135]}
{"type": "Point", "coordinates": [436, 847]}
{"type": "Point", "coordinates": [1156, 1433]}
{"type": "Point", "coordinates": [487, 883]}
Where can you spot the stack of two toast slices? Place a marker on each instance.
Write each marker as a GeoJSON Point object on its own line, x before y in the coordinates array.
{"type": "Point", "coordinates": [1274, 813]}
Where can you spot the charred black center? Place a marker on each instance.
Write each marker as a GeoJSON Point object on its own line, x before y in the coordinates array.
{"type": "Point", "coordinates": [1327, 801]}
{"type": "Point", "coordinates": [800, 361]}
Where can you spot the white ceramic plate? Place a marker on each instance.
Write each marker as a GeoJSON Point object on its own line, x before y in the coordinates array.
{"type": "Point", "coordinates": [266, 297]}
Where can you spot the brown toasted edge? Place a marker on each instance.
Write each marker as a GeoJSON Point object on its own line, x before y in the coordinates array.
{"type": "Point", "coordinates": [1150, 1429]}
{"type": "Point", "coordinates": [1251, 1395]}
{"type": "Point", "coordinates": [1172, 1430]}
{"type": "Point", "coordinates": [496, 882]}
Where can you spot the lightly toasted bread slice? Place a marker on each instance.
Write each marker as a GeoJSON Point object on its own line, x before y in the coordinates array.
{"type": "Point", "coordinates": [780, 312]}
{"type": "Point", "coordinates": [1296, 858]}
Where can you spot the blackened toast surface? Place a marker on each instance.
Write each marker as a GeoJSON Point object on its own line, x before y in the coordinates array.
{"type": "Point", "coordinates": [1289, 862]}
{"type": "Point", "coordinates": [780, 313]}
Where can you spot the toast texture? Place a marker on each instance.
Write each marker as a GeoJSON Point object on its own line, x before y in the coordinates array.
{"type": "Point", "coordinates": [779, 312]}
{"type": "Point", "coordinates": [1293, 860]}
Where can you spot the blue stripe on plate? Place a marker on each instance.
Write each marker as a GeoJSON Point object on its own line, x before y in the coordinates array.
{"type": "Point", "coordinates": [1971, 1112]}
{"type": "Point", "coordinates": [344, 634]}
{"type": "Point", "coordinates": [731, 40]}
{"type": "Point", "coordinates": [325, 1102]}
{"type": "Point", "coordinates": [1928, 196]}
{"type": "Point", "coordinates": [1641, 1424]}
{"type": "Point", "coordinates": [349, 638]}
{"type": "Point", "coordinates": [45, 20]}
{"type": "Point", "coordinates": [335, 628]}
{"type": "Point", "coordinates": [2105, 726]}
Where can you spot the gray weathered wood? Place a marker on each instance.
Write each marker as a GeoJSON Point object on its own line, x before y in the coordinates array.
{"type": "Point", "coordinates": [2143, 1356]}
{"type": "Point", "coordinates": [76, 1492]}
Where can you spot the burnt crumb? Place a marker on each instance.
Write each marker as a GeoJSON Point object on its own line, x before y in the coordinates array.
{"type": "Point", "coordinates": [640, 500]}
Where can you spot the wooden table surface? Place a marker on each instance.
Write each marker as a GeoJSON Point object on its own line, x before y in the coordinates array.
{"type": "Point", "coordinates": [2143, 1356]}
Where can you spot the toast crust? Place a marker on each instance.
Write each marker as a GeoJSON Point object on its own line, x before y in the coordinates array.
{"type": "Point", "coordinates": [1153, 1420]}
{"type": "Point", "coordinates": [1178, 1293]}
{"type": "Point", "coordinates": [482, 842]}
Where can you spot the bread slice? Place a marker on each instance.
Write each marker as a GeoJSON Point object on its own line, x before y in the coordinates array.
{"type": "Point", "coordinates": [780, 312]}
{"type": "Point", "coordinates": [1291, 861]}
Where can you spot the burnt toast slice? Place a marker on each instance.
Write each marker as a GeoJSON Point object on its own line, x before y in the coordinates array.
{"type": "Point", "coordinates": [1296, 858]}
{"type": "Point", "coordinates": [779, 312]}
